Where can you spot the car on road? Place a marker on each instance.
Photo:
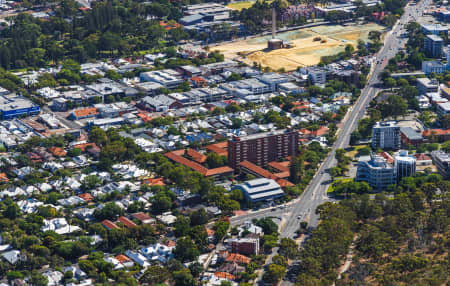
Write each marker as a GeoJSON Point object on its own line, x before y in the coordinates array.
{"type": "Point", "coordinates": [299, 217]}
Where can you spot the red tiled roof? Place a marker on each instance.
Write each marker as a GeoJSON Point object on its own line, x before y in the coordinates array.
{"type": "Point", "coordinates": [238, 258]}
{"type": "Point", "coordinates": [198, 79]}
{"type": "Point", "coordinates": [378, 15]}
{"type": "Point", "coordinates": [219, 148]}
{"type": "Point", "coordinates": [109, 224]}
{"type": "Point", "coordinates": [89, 111]}
{"type": "Point", "coordinates": [128, 223]}
{"type": "Point", "coordinates": [240, 212]}
{"type": "Point", "coordinates": [217, 171]}
{"type": "Point", "coordinates": [122, 258]}
{"type": "Point", "coordinates": [86, 197]}
{"type": "Point", "coordinates": [155, 181]}
{"type": "Point", "coordinates": [177, 156]}
{"type": "Point", "coordinates": [144, 117]}
{"type": "Point", "coordinates": [141, 216]}
{"type": "Point", "coordinates": [231, 101]}
{"type": "Point", "coordinates": [422, 157]}
{"type": "Point", "coordinates": [168, 26]}
{"type": "Point", "coordinates": [264, 173]}
{"type": "Point", "coordinates": [3, 178]}
{"type": "Point", "coordinates": [258, 170]}
{"type": "Point", "coordinates": [304, 131]}
{"type": "Point", "coordinates": [282, 174]}
{"type": "Point", "coordinates": [57, 151]}
{"type": "Point", "coordinates": [225, 275]}
{"type": "Point", "coordinates": [437, 132]}
{"type": "Point", "coordinates": [280, 166]}
{"type": "Point", "coordinates": [33, 156]}
{"type": "Point", "coordinates": [84, 146]}
{"type": "Point", "coordinates": [171, 243]}
{"type": "Point", "coordinates": [284, 183]}
{"type": "Point", "coordinates": [321, 131]}
{"type": "Point", "coordinates": [196, 156]}
{"type": "Point", "coordinates": [210, 232]}
{"type": "Point", "coordinates": [388, 157]}
{"type": "Point", "coordinates": [180, 159]}
{"type": "Point", "coordinates": [300, 105]}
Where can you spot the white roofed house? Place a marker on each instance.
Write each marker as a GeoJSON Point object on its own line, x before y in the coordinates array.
{"type": "Point", "coordinates": [129, 171]}
{"type": "Point", "coordinates": [54, 277]}
{"type": "Point", "coordinates": [115, 262]}
{"type": "Point", "coordinates": [138, 258]}
{"type": "Point", "coordinates": [59, 225]}
{"type": "Point", "coordinates": [29, 205]}
{"type": "Point", "coordinates": [77, 272]}
{"type": "Point", "coordinates": [12, 256]}
{"type": "Point", "coordinates": [13, 192]}
{"type": "Point", "coordinates": [157, 252]}
{"type": "Point", "coordinates": [250, 227]}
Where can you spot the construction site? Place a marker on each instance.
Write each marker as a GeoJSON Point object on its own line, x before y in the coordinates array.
{"type": "Point", "coordinates": [299, 48]}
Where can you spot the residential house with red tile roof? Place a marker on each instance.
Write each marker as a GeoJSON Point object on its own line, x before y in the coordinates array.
{"type": "Point", "coordinates": [169, 26]}
{"type": "Point", "coordinates": [109, 225]}
{"type": "Point", "coordinates": [127, 222]}
{"type": "Point", "coordinates": [83, 113]}
{"type": "Point", "coordinates": [57, 151]}
{"type": "Point", "coordinates": [3, 178]}
{"type": "Point", "coordinates": [225, 275]}
{"type": "Point", "coordinates": [86, 197]}
{"type": "Point", "coordinates": [84, 146]}
{"type": "Point", "coordinates": [198, 81]}
{"type": "Point", "coordinates": [146, 118]}
{"type": "Point", "coordinates": [238, 258]}
{"type": "Point", "coordinates": [143, 218]}
{"type": "Point", "coordinates": [154, 182]}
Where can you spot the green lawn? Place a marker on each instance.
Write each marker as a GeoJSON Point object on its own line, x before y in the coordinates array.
{"type": "Point", "coordinates": [242, 5]}
{"type": "Point", "coordinates": [352, 153]}
{"type": "Point", "coordinates": [344, 180]}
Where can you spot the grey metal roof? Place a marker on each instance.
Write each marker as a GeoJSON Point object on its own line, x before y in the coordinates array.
{"type": "Point", "coordinates": [411, 133]}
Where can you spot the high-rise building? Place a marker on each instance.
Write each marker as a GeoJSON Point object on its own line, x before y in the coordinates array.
{"type": "Point", "coordinates": [433, 46]}
{"type": "Point", "coordinates": [442, 162]}
{"type": "Point", "coordinates": [405, 165]}
{"type": "Point", "coordinates": [245, 246]}
{"type": "Point", "coordinates": [376, 171]}
{"type": "Point", "coordinates": [448, 56]}
{"type": "Point", "coordinates": [386, 135]}
{"type": "Point", "coordinates": [262, 148]}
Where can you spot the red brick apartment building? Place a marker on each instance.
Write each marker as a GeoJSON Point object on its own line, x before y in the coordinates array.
{"type": "Point", "coordinates": [247, 246]}
{"type": "Point", "coordinates": [262, 148]}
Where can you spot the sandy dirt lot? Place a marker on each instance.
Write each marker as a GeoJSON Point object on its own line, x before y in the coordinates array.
{"type": "Point", "coordinates": [305, 51]}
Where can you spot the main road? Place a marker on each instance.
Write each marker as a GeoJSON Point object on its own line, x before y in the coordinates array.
{"type": "Point", "coordinates": [316, 192]}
